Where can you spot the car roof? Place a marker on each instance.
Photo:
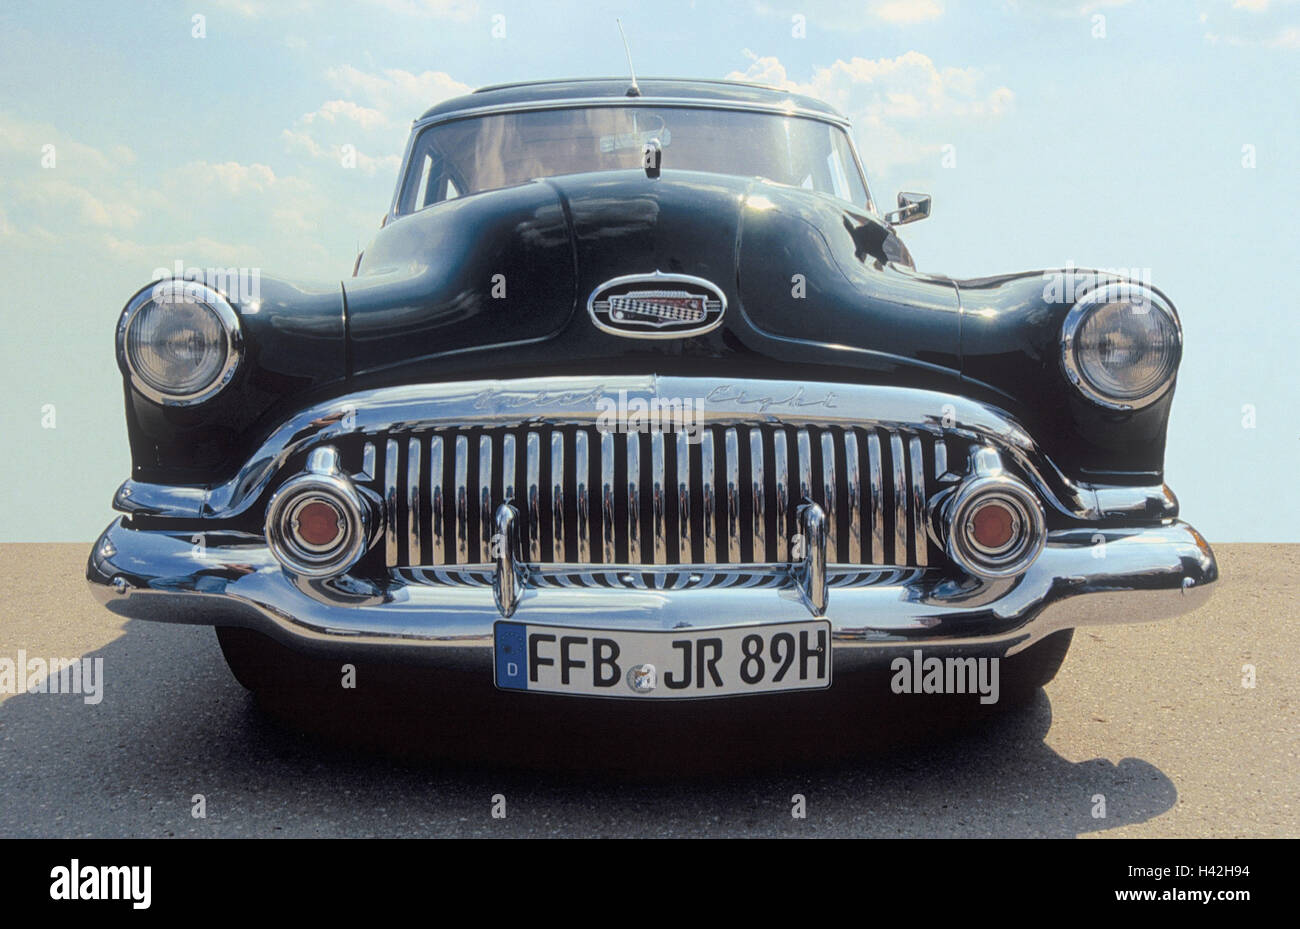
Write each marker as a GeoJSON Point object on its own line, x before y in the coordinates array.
{"type": "Point", "coordinates": [659, 89]}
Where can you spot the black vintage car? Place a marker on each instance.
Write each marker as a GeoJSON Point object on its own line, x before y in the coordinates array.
{"type": "Point", "coordinates": [637, 393]}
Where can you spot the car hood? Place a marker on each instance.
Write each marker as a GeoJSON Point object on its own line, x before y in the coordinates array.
{"type": "Point", "coordinates": [500, 280]}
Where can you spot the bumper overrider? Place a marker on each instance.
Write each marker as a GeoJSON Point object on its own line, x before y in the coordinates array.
{"type": "Point", "coordinates": [775, 503]}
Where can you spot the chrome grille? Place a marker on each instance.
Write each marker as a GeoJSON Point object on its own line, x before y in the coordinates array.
{"type": "Point", "coordinates": [655, 499]}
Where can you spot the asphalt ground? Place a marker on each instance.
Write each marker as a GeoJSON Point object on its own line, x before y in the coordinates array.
{"type": "Point", "coordinates": [1148, 730]}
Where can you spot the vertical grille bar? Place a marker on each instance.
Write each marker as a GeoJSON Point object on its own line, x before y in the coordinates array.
{"type": "Point", "coordinates": [804, 442]}
{"type": "Point", "coordinates": [900, 498]}
{"type": "Point", "coordinates": [918, 500]}
{"type": "Point", "coordinates": [557, 495]}
{"type": "Point", "coordinates": [781, 463]}
{"type": "Point", "coordinates": [414, 550]}
{"type": "Point", "coordinates": [684, 555]}
{"type": "Point", "coordinates": [756, 474]}
{"type": "Point", "coordinates": [436, 502]}
{"type": "Point", "coordinates": [367, 462]}
{"type": "Point", "coordinates": [830, 503]}
{"type": "Point", "coordinates": [507, 468]}
{"type": "Point", "coordinates": [853, 493]}
{"type": "Point", "coordinates": [657, 490]}
{"type": "Point", "coordinates": [391, 452]}
{"type": "Point", "coordinates": [533, 466]}
{"type": "Point", "coordinates": [463, 534]}
{"type": "Point", "coordinates": [709, 503]}
{"type": "Point", "coordinates": [731, 449]}
{"type": "Point", "coordinates": [635, 553]}
{"type": "Point", "coordinates": [607, 497]}
{"type": "Point", "coordinates": [582, 475]}
{"type": "Point", "coordinates": [877, 487]}
{"type": "Point", "coordinates": [486, 513]}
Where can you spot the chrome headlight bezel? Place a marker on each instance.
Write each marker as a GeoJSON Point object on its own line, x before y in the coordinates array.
{"type": "Point", "coordinates": [222, 312]}
{"type": "Point", "coordinates": [1116, 292]}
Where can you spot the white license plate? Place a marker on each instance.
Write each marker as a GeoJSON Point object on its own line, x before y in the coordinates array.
{"type": "Point", "coordinates": [674, 663]}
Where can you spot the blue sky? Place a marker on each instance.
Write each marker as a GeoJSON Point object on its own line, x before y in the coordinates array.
{"type": "Point", "coordinates": [1145, 135]}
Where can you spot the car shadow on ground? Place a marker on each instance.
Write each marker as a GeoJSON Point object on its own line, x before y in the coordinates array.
{"type": "Point", "coordinates": [407, 753]}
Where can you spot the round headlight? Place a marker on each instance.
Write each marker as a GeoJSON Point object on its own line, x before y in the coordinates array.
{"type": "Point", "coordinates": [1121, 345]}
{"type": "Point", "coordinates": [179, 341]}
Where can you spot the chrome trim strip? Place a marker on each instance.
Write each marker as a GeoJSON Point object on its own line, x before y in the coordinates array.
{"type": "Point", "coordinates": [803, 442]}
{"type": "Point", "coordinates": [940, 458]}
{"type": "Point", "coordinates": [759, 528]}
{"type": "Point", "coordinates": [900, 497]}
{"type": "Point", "coordinates": [781, 464]}
{"type": "Point", "coordinates": [463, 535]}
{"type": "Point", "coordinates": [508, 469]}
{"type": "Point", "coordinates": [367, 472]}
{"type": "Point", "coordinates": [437, 502]}
{"type": "Point", "coordinates": [919, 539]}
{"type": "Point", "coordinates": [487, 523]}
{"type": "Point", "coordinates": [414, 546]}
{"type": "Point", "coordinates": [830, 504]}
{"type": "Point", "coordinates": [853, 476]}
{"type": "Point", "coordinates": [731, 449]}
{"type": "Point", "coordinates": [533, 465]}
{"type": "Point", "coordinates": [710, 502]}
{"type": "Point", "coordinates": [876, 485]}
{"type": "Point", "coordinates": [582, 475]}
{"type": "Point", "coordinates": [683, 465]}
{"type": "Point", "coordinates": [635, 546]}
{"type": "Point", "coordinates": [557, 496]}
{"type": "Point", "coordinates": [573, 103]}
{"type": "Point", "coordinates": [608, 555]}
{"type": "Point", "coordinates": [391, 452]}
{"type": "Point", "coordinates": [657, 491]}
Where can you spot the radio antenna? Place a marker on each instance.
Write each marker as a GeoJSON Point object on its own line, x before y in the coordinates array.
{"type": "Point", "coordinates": [634, 90]}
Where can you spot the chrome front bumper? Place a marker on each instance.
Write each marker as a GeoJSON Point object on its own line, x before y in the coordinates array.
{"type": "Point", "coordinates": [1084, 577]}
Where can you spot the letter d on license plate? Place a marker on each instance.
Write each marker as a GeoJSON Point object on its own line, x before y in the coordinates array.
{"type": "Point", "coordinates": [672, 663]}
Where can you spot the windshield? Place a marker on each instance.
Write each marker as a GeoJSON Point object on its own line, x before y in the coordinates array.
{"type": "Point", "coordinates": [466, 156]}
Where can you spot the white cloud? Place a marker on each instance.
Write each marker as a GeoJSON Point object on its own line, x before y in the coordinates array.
{"type": "Point", "coordinates": [67, 200]}
{"type": "Point", "coordinates": [28, 140]}
{"type": "Point", "coordinates": [340, 110]}
{"type": "Point", "coordinates": [396, 93]}
{"type": "Point", "coordinates": [853, 15]}
{"type": "Point", "coordinates": [905, 12]}
{"type": "Point", "coordinates": [1289, 37]}
{"type": "Point", "coordinates": [230, 177]}
{"type": "Point", "coordinates": [1064, 7]}
{"type": "Point", "coordinates": [904, 109]}
{"type": "Point", "coordinates": [161, 254]}
{"type": "Point", "coordinates": [370, 133]}
{"type": "Point", "coordinates": [443, 9]}
{"type": "Point", "coordinates": [259, 9]}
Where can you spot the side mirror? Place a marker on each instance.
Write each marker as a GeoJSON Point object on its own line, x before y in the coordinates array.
{"type": "Point", "coordinates": [911, 207]}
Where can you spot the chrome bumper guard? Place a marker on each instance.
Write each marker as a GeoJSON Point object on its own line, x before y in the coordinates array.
{"type": "Point", "coordinates": [1090, 576]}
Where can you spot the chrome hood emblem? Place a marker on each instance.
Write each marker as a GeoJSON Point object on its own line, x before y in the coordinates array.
{"type": "Point", "coordinates": [657, 306]}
